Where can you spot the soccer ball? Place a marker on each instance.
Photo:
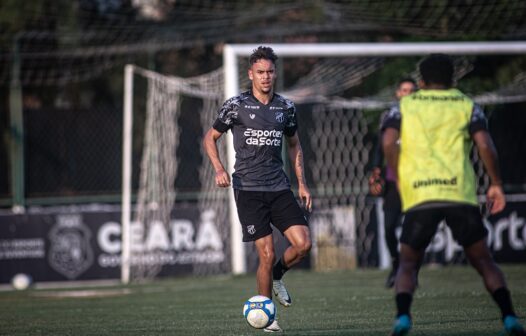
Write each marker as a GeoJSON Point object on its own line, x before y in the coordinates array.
{"type": "Point", "coordinates": [21, 281]}
{"type": "Point", "coordinates": [259, 311]}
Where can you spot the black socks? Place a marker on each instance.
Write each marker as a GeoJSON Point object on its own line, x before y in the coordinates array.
{"type": "Point", "coordinates": [403, 303]}
{"type": "Point", "coordinates": [278, 270]}
{"type": "Point", "coordinates": [503, 299]}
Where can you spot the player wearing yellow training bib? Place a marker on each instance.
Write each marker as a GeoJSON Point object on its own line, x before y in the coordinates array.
{"type": "Point", "coordinates": [434, 164]}
{"type": "Point", "coordinates": [427, 139]}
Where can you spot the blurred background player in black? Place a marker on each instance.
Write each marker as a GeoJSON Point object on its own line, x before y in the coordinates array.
{"type": "Point", "coordinates": [427, 142]}
{"type": "Point", "coordinates": [382, 182]}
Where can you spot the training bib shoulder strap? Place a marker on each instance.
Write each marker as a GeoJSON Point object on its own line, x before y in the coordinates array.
{"type": "Point", "coordinates": [434, 162]}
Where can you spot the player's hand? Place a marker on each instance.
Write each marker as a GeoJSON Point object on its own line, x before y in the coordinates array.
{"type": "Point", "coordinates": [376, 183]}
{"type": "Point", "coordinates": [222, 179]}
{"type": "Point", "coordinates": [495, 199]}
{"type": "Point", "coordinates": [305, 197]}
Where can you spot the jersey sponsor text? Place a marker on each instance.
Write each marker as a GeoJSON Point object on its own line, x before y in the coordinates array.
{"type": "Point", "coordinates": [434, 181]}
{"type": "Point", "coordinates": [263, 137]}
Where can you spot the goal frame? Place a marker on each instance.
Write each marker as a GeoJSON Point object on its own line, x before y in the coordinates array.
{"type": "Point", "coordinates": [232, 52]}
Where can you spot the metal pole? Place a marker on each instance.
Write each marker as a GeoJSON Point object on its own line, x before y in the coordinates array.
{"type": "Point", "coordinates": [387, 49]}
{"type": "Point", "coordinates": [16, 118]}
{"type": "Point", "coordinates": [127, 135]}
{"type": "Point", "coordinates": [231, 89]}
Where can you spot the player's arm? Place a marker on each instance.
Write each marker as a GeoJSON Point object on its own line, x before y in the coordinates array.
{"type": "Point", "coordinates": [391, 149]}
{"type": "Point", "coordinates": [222, 178]}
{"type": "Point", "coordinates": [390, 129]}
{"type": "Point", "coordinates": [378, 154]}
{"type": "Point", "coordinates": [296, 158]}
{"type": "Point", "coordinates": [478, 129]}
{"type": "Point", "coordinates": [496, 201]}
{"type": "Point", "coordinates": [375, 179]}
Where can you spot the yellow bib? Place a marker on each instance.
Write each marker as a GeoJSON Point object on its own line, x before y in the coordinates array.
{"type": "Point", "coordinates": [434, 162]}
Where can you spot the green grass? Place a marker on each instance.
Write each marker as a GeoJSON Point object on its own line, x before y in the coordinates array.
{"type": "Point", "coordinates": [450, 301]}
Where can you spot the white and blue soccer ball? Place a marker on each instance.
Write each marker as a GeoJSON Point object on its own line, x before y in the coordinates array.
{"type": "Point", "coordinates": [21, 281]}
{"type": "Point", "coordinates": [259, 311]}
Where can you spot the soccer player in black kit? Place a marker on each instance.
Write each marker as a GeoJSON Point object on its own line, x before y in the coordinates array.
{"type": "Point", "coordinates": [259, 120]}
{"type": "Point", "coordinates": [385, 186]}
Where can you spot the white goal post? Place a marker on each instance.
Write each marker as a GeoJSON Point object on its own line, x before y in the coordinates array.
{"type": "Point", "coordinates": [232, 52]}
{"type": "Point", "coordinates": [127, 138]}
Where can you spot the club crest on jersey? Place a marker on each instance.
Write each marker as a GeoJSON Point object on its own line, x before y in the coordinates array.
{"type": "Point", "coordinates": [252, 115]}
{"type": "Point", "coordinates": [251, 229]}
{"type": "Point", "coordinates": [280, 117]}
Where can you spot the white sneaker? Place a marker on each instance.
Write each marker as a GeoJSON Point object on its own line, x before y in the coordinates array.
{"type": "Point", "coordinates": [273, 327]}
{"type": "Point", "coordinates": [281, 293]}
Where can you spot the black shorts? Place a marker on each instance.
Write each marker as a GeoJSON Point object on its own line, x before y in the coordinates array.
{"type": "Point", "coordinates": [465, 223]}
{"type": "Point", "coordinates": [257, 209]}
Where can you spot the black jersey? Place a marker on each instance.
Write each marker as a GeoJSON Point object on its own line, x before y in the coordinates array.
{"type": "Point", "coordinates": [258, 137]}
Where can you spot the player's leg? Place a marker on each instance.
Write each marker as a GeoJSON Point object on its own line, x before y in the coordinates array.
{"type": "Point", "coordinates": [254, 215]}
{"type": "Point", "coordinates": [418, 229]}
{"type": "Point", "coordinates": [391, 222]}
{"type": "Point", "coordinates": [288, 217]}
{"type": "Point", "coordinates": [300, 245]}
{"type": "Point", "coordinates": [405, 285]}
{"type": "Point", "coordinates": [480, 257]}
{"type": "Point", "coordinates": [392, 219]}
{"type": "Point", "coordinates": [410, 261]}
{"type": "Point", "coordinates": [468, 229]}
{"type": "Point", "coordinates": [265, 250]}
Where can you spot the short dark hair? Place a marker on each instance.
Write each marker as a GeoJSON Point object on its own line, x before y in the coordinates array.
{"type": "Point", "coordinates": [262, 53]}
{"type": "Point", "coordinates": [437, 69]}
{"type": "Point", "coordinates": [406, 80]}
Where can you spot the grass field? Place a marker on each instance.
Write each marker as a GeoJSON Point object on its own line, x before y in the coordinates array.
{"type": "Point", "coordinates": [450, 301]}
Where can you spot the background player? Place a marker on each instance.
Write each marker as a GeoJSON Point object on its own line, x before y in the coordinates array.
{"type": "Point", "coordinates": [258, 119]}
{"type": "Point", "coordinates": [436, 127]}
{"type": "Point", "coordinates": [383, 183]}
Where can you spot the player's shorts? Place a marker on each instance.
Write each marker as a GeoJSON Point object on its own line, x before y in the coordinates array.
{"type": "Point", "coordinates": [465, 223]}
{"type": "Point", "coordinates": [257, 209]}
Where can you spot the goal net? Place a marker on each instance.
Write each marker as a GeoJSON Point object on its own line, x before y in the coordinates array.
{"type": "Point", "coordinates": [337, 135]}
{"type": "Point", "coordinates": [147, 225]}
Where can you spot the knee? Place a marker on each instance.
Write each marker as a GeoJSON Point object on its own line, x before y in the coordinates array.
{"type": "Point", "coordinates": [304, 248]}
